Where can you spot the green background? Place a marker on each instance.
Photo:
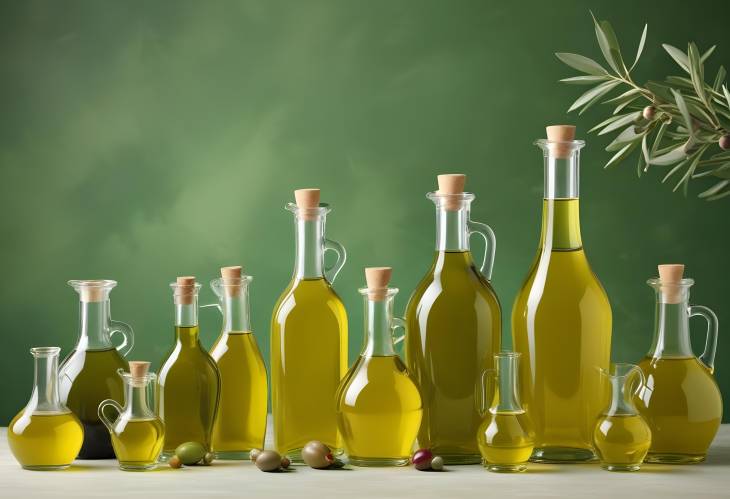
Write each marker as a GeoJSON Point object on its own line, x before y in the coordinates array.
{"type": "Point", "coordinates": [144, 140]}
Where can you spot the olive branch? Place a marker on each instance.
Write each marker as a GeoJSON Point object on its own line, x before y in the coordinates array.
{"type": "Point", "coordinates": [680, 124]}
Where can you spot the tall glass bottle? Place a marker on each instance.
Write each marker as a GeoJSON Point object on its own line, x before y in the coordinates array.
{"type": "Point", "coordinates": [561, 319]}
{"type": "Point", "coordinates": [454, 327]}
{"type": "Point", "coordinates": [45, 435]}
{"type": "Point", "coordinates": [188, 384]}
{"type": "Point", "coordinates": [88, 375]}
{"type": "Point", "coordinates": [308, 338]}
{"type": "Point", "coordinates": [241, 421]}
{"type": "Point", "coordinates": [378, 405]}
{"type": "Point", "coordinates": [680, 401]}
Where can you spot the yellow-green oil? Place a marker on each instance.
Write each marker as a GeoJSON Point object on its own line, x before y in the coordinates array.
{"type": "Point", "coordinates": [308, 359]}
{"type": "Point", "coordinates": [241, 421]}
{"type": "Point", "coordinates": [188, 387]}
{"type": "Point", "coordinates": [86, 378]}
{"type": "Point", "coordinates": [621, 441]}
{"type": "Point", "coordinates": [561, 324]}
{"type": "Point", "coordinates": [138, 442]}
{"type": "Point", "coordinates": [505, 441]}
{"type": "Point", "coordinates": [45, 441]}
{"type": "Point", "coordinates": [454, 328]}
{"type": "Point", "coordinates": [682, 404]}
{"type": "Point", "coordinates": [379, 411]}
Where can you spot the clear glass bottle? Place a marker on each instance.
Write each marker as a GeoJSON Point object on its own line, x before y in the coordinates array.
{"type": "Point", "coordinates": [241, 421]}
{"type": "Point", "coordinates": [45, 435]}
{"type": "Point", "coordinates": [621, 437]}
{"type": "Point", "coordinates": [308, 338]}
{"type": "Point", "coordinates": [680, 401]}
{"type": "Point", "coordinates": [506, 435]}
{"type": "Point", "coordinates": [188, 384]}
{"type": "Point", "coordinates": [137, 433]}
{"type": "Point", "coordinates": [88, 375]}
{"type": "Point", "coordinates": [561, 318]}
{"type": "Point", "coordinates": [454, 327]}
{"type": "Point", "coordinates": [379, 407]}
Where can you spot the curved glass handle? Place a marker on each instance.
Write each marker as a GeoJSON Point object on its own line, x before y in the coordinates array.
{"type": "Point", "coordinates": [708, 356]}
{"type": "Point", "coordinates": [485, 386]}
{"type": "Point", "coordinates": [216, 305]}
{"type": "Point", "coordinates": [127, 333]}
{"type": "Point", "coordinates": [103, 405]}
{"type": "Point", "coordinates": [397, 323]}
{"type": "Point", "coordinates": [642, 381]}
{"type": "Point", "coordinates": [490, 248]}
{"type": "Point", "coordinates": [331, 273]}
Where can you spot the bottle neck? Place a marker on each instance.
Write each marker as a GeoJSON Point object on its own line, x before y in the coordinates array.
{"type": "Point", "coordinates": [452, 230]}
{"type": "Point", "coordinates": [186, 314]}
{"type": "Point", "coordinates": [187, 336]}
{"type": "Point", "coordinates": [506, 398]}
{"type": "Point", "coordinates": [310, 254]}
{"type": "Point", "coordinates": [45, 385]}
{"type": "Point", "coordinates": [236, 313]}
{"type": "Point", "coordinates": [137, 400]}
{"type": "Point", "coordinates": [621, 403]}
{"type": "Point", "coordinates": [560, 214]}
{"type": "Point", "coordinates": [671, 330]}
{"type": "Point", "coordinates": [378, 327]}
{"type": "Point", "coordinates": [94, 325]}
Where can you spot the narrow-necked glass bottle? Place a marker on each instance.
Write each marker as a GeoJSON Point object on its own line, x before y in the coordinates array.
{"type": "Point", "coordinates": [680, 401]}
{"type": "Point", "coordinates": [241, 421]}
{"type": "Point", "coordinates": [137, 433]}
{"type": "Point", "coordinates": [561, 319]}
{"type": "Point", "coordinates": [45, 435]}
{"type": "Point", "coordinates": [506, 435]}
{"type": "Point", "coordinates": [308, 338]}
{"type": "Point", "coordinates": [378, 404]}
{"type": "Point", "coordinates": [454, 327]}
{"type": "Point", "coordinates": [188, 385]}
{"type": "Point", "coordinates": [88, 375]}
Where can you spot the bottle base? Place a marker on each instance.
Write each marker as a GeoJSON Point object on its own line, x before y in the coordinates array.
{"type": "Point", "coordinates": [137, 466]}
{"type": "Point", "coordinates": [671, 458]}
{"type": "Point", "coordinates": [505, 468]}
{"type": "Point", "coordinates": [378, 461]}
{"type": "Point", "coordinates": [562, 455]}
{"type": "Point", "coordinates": [620, 467]}
{"type": "Point", "coordinates": [233, 455]}
{"type": "Point", "coordinates": [45, 467]}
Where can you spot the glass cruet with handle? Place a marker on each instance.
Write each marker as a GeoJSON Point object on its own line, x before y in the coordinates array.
{"type": "Point", "coordinates": [88, 375]}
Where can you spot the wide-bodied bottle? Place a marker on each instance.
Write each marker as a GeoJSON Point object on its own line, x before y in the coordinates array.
{"type": "Point", "coordinates": [454, 327]}
{"type": "Point", "coordinates": [561, 318]}
{"type": "Point", "coordinates": [308, 338]}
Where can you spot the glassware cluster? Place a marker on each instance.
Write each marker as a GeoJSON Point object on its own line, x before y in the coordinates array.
{"type": "Point", "coordinates": [442, 384]}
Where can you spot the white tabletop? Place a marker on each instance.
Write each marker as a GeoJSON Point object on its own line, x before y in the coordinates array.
{"type": "Point", "coordinates": [101, 479]}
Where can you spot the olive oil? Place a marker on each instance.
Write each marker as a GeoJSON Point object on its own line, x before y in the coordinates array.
{"type": "Point", "coordinates": [621, 441]}
{"type": "Point", "coordinates": [138, 442]}
{"type": "Point", "coordinates": [506, 441]}
{"type": "Point", "coordinates": [45, 441]}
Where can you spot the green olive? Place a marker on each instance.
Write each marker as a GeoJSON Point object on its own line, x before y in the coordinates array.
{"type": "Point", "coordinates": [190, 452]}
{"type": "Point", "coordinates": [268, 460]}
{"type": "Point", "coordinates": [317, 455]}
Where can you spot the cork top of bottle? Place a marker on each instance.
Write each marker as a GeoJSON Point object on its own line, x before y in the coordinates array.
{"type": "Point", "coordinates": [307, 201]}
{"type": "Point", "coordinates": [138, 368]}
{"type": "Point", "coordinates": [560, 138]}
{"type": "Point", "coordinates": [377, 279]}
{"type": "Point", "coordinates": [670, 278]}
{"type": "Point", "coordinates": [185, 290]}
{"type": "Point", "coordinates": [92, 290]}
{"type": "Point", "coordinates": [451, 187]}
{"type": "Point", "coordinates": [231, 279]}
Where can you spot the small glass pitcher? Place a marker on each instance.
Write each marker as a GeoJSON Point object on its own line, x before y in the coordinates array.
{"type": "Point", "coordinates": [621, 437]}
{"type": "Point", "coordinates": [137, 433]}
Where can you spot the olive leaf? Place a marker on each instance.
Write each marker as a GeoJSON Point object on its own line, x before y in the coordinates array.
{"type": "Point", "coordinates": [582, 64]}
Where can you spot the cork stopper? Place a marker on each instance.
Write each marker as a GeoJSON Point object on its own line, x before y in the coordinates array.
{"type": "Point", "coordinates": [232, 279]}
{"type": "Point", "coordinates": [92, 291]}
{"type": "Point", "coordinates": [307, 201]}
{"type": "Point", "coordinates": [138, 368]}
{"type": "Point", "coordinates": [561, 137]}
{"type": "Point", "coordinates": [451, 183]}
{"type": "Point", "coordinates": [91, 294]}
{"type": "Point", "coordinates": [185, 290]}
{"type": "Point", "coordinates": [670, 277]}
{"type": "Point", "coordinates": [377, 279]}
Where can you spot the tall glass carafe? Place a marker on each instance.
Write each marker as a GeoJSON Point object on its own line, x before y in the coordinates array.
{"type": "Point", "coordinates": [241, 421]}
{"type": "Point", "coordinates": [88, 375]}
{"type": "Point", "coordinates": [561, 318]}
{"type": "Point", "coordinates": [378, 404]}
{"type": "Point", "coordinates": [308, 337]}
{"type": "Point", "coordinates": [454, 327]}
{"type": "Point", "coordinates": [45, 435]}
{"type": "Point", "coordinates": [188, 384]}
{"type": "Point", "coordinates": [680, 400]}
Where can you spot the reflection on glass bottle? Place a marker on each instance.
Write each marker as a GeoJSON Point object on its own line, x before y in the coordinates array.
{"type": "Point", "coordinates": [680, 401]}
{"type": "Point", "coordinates": [45, 435]}
{"type": "Point", "coordinates": [506, 436]}
{"type": "Point", "coordinates": [561, 319]}
{"type": "Point", "coordinates": [241, 421]}
{"type": "Point", "coordinates": [621, 437]}
{"type": "Point", "coordinates": [378, 405]}
{"type": "Point", "coordinates": [308, 338]}
{"type": "Point", "coordinates": [188, 384]}
{"type": "Point", "coordinates": [454, 327]}
{"type": "Point", "coordinates": [137, 433]}
{"type": "Point", "coordinates": [88, 375]}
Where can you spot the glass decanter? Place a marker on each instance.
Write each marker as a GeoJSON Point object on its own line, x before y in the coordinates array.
{"type": "Point", "coordinates": [505, 436]}
{"type": "Point", "coordinates": [379, 406]}
{"type": "Point", "coordinates": [137, 433]}
{"type": "Point", "coordinates": [680, 401]}
{"type": "Point", "coordinates": [45, 435]}
{"type": "Point", "coordinates": [88, 375]}
{"type": "Point", "coordinates": [621, 437]}
{"type": "Point", "coordinates": [561, 318]}
{"type": "Point", "coordinates": [308, 337]}
{"type": "Point", "coordinates": [241, 421]}
{"type": "Point", "coordinates": [454, 327]}
{"type": "Point", "coordinates": [188, 383]}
